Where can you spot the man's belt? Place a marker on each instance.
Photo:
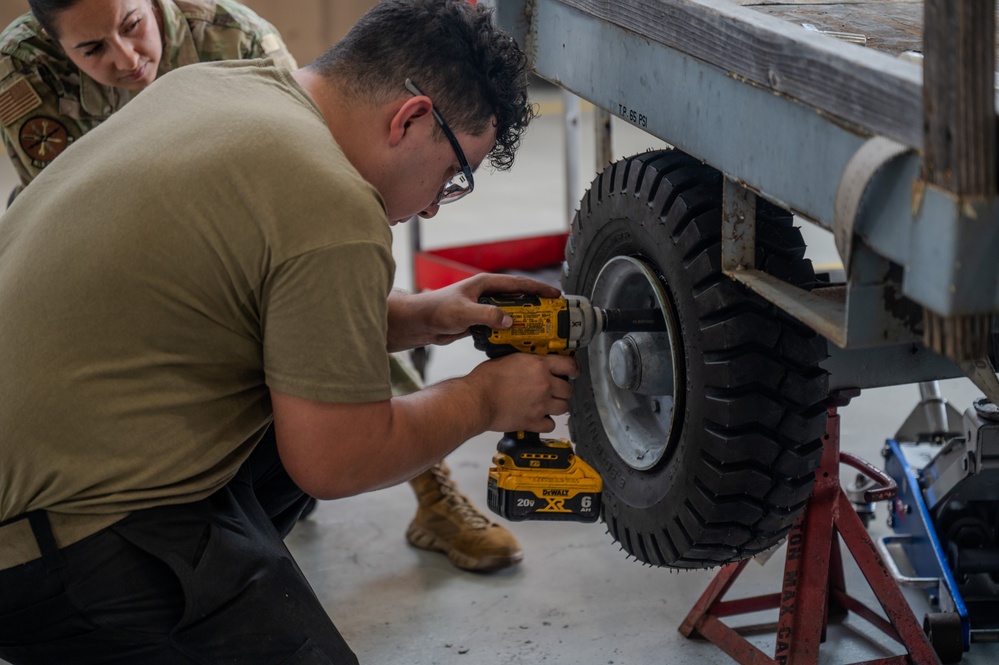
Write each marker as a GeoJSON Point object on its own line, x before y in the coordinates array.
{"type": "Point", "coordinates": [18, 544]}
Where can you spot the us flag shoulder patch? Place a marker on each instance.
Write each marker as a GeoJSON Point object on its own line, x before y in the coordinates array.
{"type": "Point", "coordinates": [16, 100]}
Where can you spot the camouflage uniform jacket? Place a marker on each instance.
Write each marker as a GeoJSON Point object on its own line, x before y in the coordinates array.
{"type": "Point", "coordinates": [46, 102]}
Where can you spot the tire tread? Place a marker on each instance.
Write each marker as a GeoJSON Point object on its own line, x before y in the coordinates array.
{"type": "Point", "coordinates": [752, 470]}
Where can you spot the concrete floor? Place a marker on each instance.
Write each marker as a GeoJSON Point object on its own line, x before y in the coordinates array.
{"type": "Point", "coordinates": [576, 598]}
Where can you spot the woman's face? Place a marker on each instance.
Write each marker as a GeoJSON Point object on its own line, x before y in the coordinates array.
{"type": "Point", "coordinates": [115, 42]}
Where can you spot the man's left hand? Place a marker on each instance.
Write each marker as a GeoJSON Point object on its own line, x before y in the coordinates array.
{"type": "Point", "coordinates": [445, 315]}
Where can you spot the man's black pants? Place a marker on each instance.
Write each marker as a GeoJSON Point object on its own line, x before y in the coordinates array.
{"type": "Point", "coordinates": [201, 583]}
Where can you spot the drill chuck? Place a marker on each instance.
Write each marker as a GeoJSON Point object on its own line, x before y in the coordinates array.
{"type": "Point", "coordinates": [585, 322]}
{"type": "Point", "coordinates": [594, 320]}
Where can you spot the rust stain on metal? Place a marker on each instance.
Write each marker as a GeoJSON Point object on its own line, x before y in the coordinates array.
{"type": "Point", "coordinates": [968, 210]}
{"type": "Point", "coordinates": [843, 124]}
{"type": "Point", "coordinates": [531, 47]}
{"type": "Point", "coordinates": [918, 194]}
{"type": "Point", "coordinates": [739, 231]}
{"type": "Point", "coordinates": [896, 304]}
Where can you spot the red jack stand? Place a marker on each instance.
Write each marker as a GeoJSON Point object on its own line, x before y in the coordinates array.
{"type": "Point", "coordinates": [813, 580]}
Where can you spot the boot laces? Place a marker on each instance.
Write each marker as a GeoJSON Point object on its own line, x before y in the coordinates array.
{"type": "Point", "coordinates": [458, 503]}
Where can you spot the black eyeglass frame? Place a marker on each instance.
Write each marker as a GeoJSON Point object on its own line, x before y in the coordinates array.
{"type": "Point", "coordinates": [457, 191]}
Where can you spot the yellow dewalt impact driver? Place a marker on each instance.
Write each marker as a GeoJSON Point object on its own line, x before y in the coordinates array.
{"type": "Point", "coordinates": [537, 478]}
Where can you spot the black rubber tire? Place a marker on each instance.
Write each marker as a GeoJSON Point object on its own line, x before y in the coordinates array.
{"type": "Point", "coordinates": [751, 414]}
{"type": "Point", "coordinates": [945, 634]}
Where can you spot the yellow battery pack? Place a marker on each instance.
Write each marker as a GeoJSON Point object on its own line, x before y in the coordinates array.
{"type": "Point", "coordinates": [545, 483]}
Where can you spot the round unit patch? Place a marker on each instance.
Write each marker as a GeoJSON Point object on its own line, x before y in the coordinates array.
{"type": "Point", "coordinates": [43, 139]}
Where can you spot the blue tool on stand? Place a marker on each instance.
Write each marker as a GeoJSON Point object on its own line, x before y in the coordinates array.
{"type": "Point", "coordinates": [945, 518]}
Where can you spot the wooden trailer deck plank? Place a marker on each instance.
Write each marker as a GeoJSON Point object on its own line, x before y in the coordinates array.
{"type": "Point", "coordinates": [774, 54]}
{"type": "Point", "coordinates": [888, 26]}
{"type": "Point", "coordinates": [891, 26]}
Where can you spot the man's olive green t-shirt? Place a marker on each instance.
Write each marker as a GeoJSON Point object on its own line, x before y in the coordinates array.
{"type": "Point", "coordinates": [207, 243]}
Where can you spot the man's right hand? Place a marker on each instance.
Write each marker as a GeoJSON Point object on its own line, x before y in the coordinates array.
{"type": "Point", "coordinates": [524, 390]}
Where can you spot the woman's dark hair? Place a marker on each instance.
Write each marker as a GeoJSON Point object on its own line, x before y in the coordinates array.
{"type": "Point", "coordinates": [46, 10]}
{"type": "Point", "coordinates": [469, 68]}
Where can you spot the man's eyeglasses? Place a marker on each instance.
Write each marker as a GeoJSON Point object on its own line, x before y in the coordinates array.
{"type": "Point", "coordinates": [461, 183]}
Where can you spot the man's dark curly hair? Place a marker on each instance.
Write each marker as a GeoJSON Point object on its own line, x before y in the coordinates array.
{"type": "Point", "coordinates": [470, 69]}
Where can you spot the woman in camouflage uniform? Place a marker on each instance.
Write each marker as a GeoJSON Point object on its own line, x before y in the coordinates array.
{"type": "Point", "coordinates": [69, 64]}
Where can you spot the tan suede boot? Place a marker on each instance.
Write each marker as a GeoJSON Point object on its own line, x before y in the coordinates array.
{"type": "Point", "coordinates": [447, 521]}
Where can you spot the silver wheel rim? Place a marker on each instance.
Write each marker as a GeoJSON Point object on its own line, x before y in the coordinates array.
{"type": "Point", "coordinates": [638, 424]}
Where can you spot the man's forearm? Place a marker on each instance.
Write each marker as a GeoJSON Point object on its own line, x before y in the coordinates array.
{"type": "Point", "coordinates": [338, 450]}
{"type": "Point", "coordinates": [333, 449]}
{"type": "Point", "coordinates": [403, 324]}
{"type": "Point", "coordinates": [424, 427]}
